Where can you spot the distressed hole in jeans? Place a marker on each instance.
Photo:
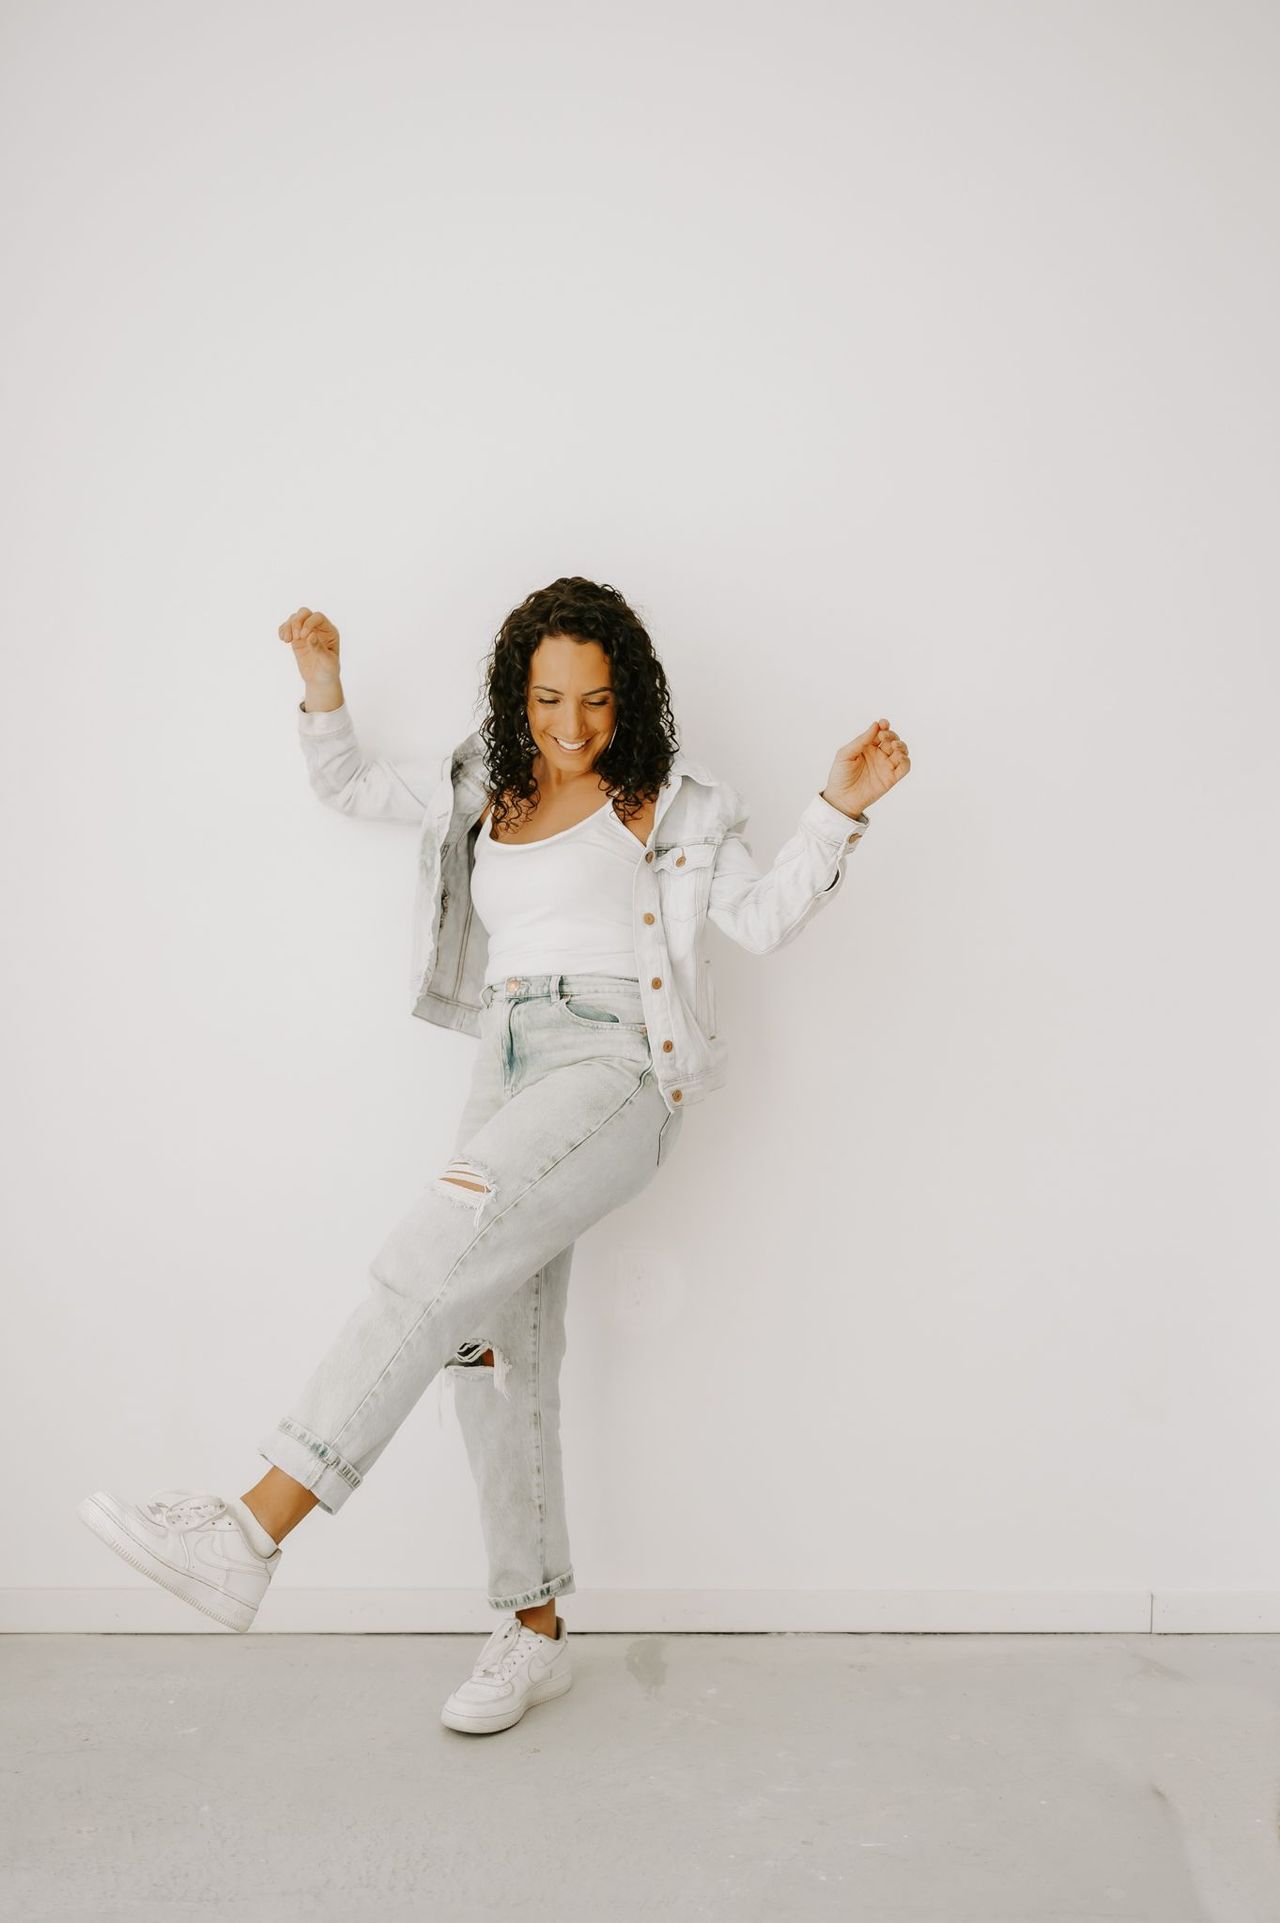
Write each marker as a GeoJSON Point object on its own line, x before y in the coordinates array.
{"type": "Point", "coordinates": [462, 1180]}
{"type": "Point", "coordinates": [485, 1358]}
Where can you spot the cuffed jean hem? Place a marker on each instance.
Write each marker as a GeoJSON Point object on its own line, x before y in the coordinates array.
{"type": "Point", "coordinates": [558, 1586]}
{"type": "Point", "coordinates": [314, 1463]}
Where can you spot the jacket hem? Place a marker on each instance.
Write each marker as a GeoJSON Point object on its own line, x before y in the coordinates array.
{"type": "Point", "coordinates": [446, 1011]}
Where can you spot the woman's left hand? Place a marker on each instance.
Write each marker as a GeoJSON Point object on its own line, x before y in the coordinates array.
{"type": "Point", "coordinates": [867, 768]}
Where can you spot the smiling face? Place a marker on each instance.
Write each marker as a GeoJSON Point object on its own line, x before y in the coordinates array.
{"type": "Point", "coordinates": [570, 701]}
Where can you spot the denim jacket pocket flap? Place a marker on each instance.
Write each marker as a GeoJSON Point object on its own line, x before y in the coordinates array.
{"type": "Point", "coordinates": [684, 855]}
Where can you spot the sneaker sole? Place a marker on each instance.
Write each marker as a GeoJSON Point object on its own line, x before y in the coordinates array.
{"type": "Point", "coordinates": [489, 1725]}
{"type": "Point", "coordinates": [204, 1597]}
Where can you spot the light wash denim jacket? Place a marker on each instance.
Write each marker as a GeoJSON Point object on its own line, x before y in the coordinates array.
{"type": "Point", "coordinates": [696, 867]}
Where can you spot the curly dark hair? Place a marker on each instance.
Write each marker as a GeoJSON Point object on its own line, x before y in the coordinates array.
{"type": "Point", "coordinates": [638, 759]}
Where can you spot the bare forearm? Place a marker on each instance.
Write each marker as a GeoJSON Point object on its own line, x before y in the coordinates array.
{"type": "Point", "coordinates": [835, 804]}
{"type": "Point", "coordinates": [323, 697]}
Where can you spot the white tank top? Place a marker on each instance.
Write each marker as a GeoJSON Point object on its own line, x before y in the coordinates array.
{"type": "Point", "coordinates": [561, 904]}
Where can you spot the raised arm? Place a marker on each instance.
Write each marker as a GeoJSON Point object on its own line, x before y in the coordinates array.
{"type": "Point", "coordinates": [340, 772]}
{"type": "Point", "coordinates": [765, 911]}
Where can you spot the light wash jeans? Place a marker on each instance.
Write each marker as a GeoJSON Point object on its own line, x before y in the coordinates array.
{"type": "Point", "coordinates": [564, 1121]}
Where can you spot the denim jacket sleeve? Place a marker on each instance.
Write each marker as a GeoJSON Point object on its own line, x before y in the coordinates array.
{"type": "Point", "coordinates": [355, 783]}
{"type": "Point", "coordinates": [764, 911]}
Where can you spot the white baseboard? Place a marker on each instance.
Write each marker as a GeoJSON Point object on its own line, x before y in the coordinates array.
{"type": "Point", "coordinates": [1225, 1612]}
{"type": "Point", "coordinates": [147, 1611]}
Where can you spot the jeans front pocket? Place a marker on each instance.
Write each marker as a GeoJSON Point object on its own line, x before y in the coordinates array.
{"type": "Point", "coordinates": [586, 1013]}
{"type": "Point", "coordinates": [594, 1012]}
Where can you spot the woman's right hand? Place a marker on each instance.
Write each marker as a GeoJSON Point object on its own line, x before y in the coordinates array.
{"type": "Point", "coordinates": [314, 641]}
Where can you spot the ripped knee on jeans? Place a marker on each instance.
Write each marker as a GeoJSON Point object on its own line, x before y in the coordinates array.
{"type": "Point", "coordinates": [462, 1179]}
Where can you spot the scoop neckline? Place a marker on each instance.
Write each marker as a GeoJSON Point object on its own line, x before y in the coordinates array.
{"type": "Point", "coordinates": [515, 847]}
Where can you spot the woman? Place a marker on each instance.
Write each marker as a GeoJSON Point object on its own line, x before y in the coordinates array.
{"type": "Point", "coordinates": [570, 856]}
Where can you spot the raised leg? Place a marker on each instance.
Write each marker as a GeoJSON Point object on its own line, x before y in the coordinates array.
{"type": "Point", "coordinates": [545, 1167]}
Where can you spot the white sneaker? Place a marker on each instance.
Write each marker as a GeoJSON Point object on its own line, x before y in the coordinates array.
{"type": "Point", "coordinates": [517, 1667]}
{"type": "Point", "coordinates": [192, 1543]}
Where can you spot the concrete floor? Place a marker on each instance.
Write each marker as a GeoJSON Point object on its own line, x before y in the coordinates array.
{"type": "Point", "coordinates": [876, 1778]}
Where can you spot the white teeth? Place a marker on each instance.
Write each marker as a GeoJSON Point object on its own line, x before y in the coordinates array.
{"type": "Point", "coordinates": [569, 744]}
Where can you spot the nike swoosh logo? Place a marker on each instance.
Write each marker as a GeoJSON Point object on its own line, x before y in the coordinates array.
{"type": "Point", "coordinates": [212, 1557]}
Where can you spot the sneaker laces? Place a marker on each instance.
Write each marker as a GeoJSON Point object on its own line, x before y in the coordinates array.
{"type": "Point", "coordinates": [179, 1508]}
{"type": "Point", "coordinates": [504, 1651]}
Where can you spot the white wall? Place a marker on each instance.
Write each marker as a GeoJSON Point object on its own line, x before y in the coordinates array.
{"type": "Point", "coordinates": [905, 361]}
